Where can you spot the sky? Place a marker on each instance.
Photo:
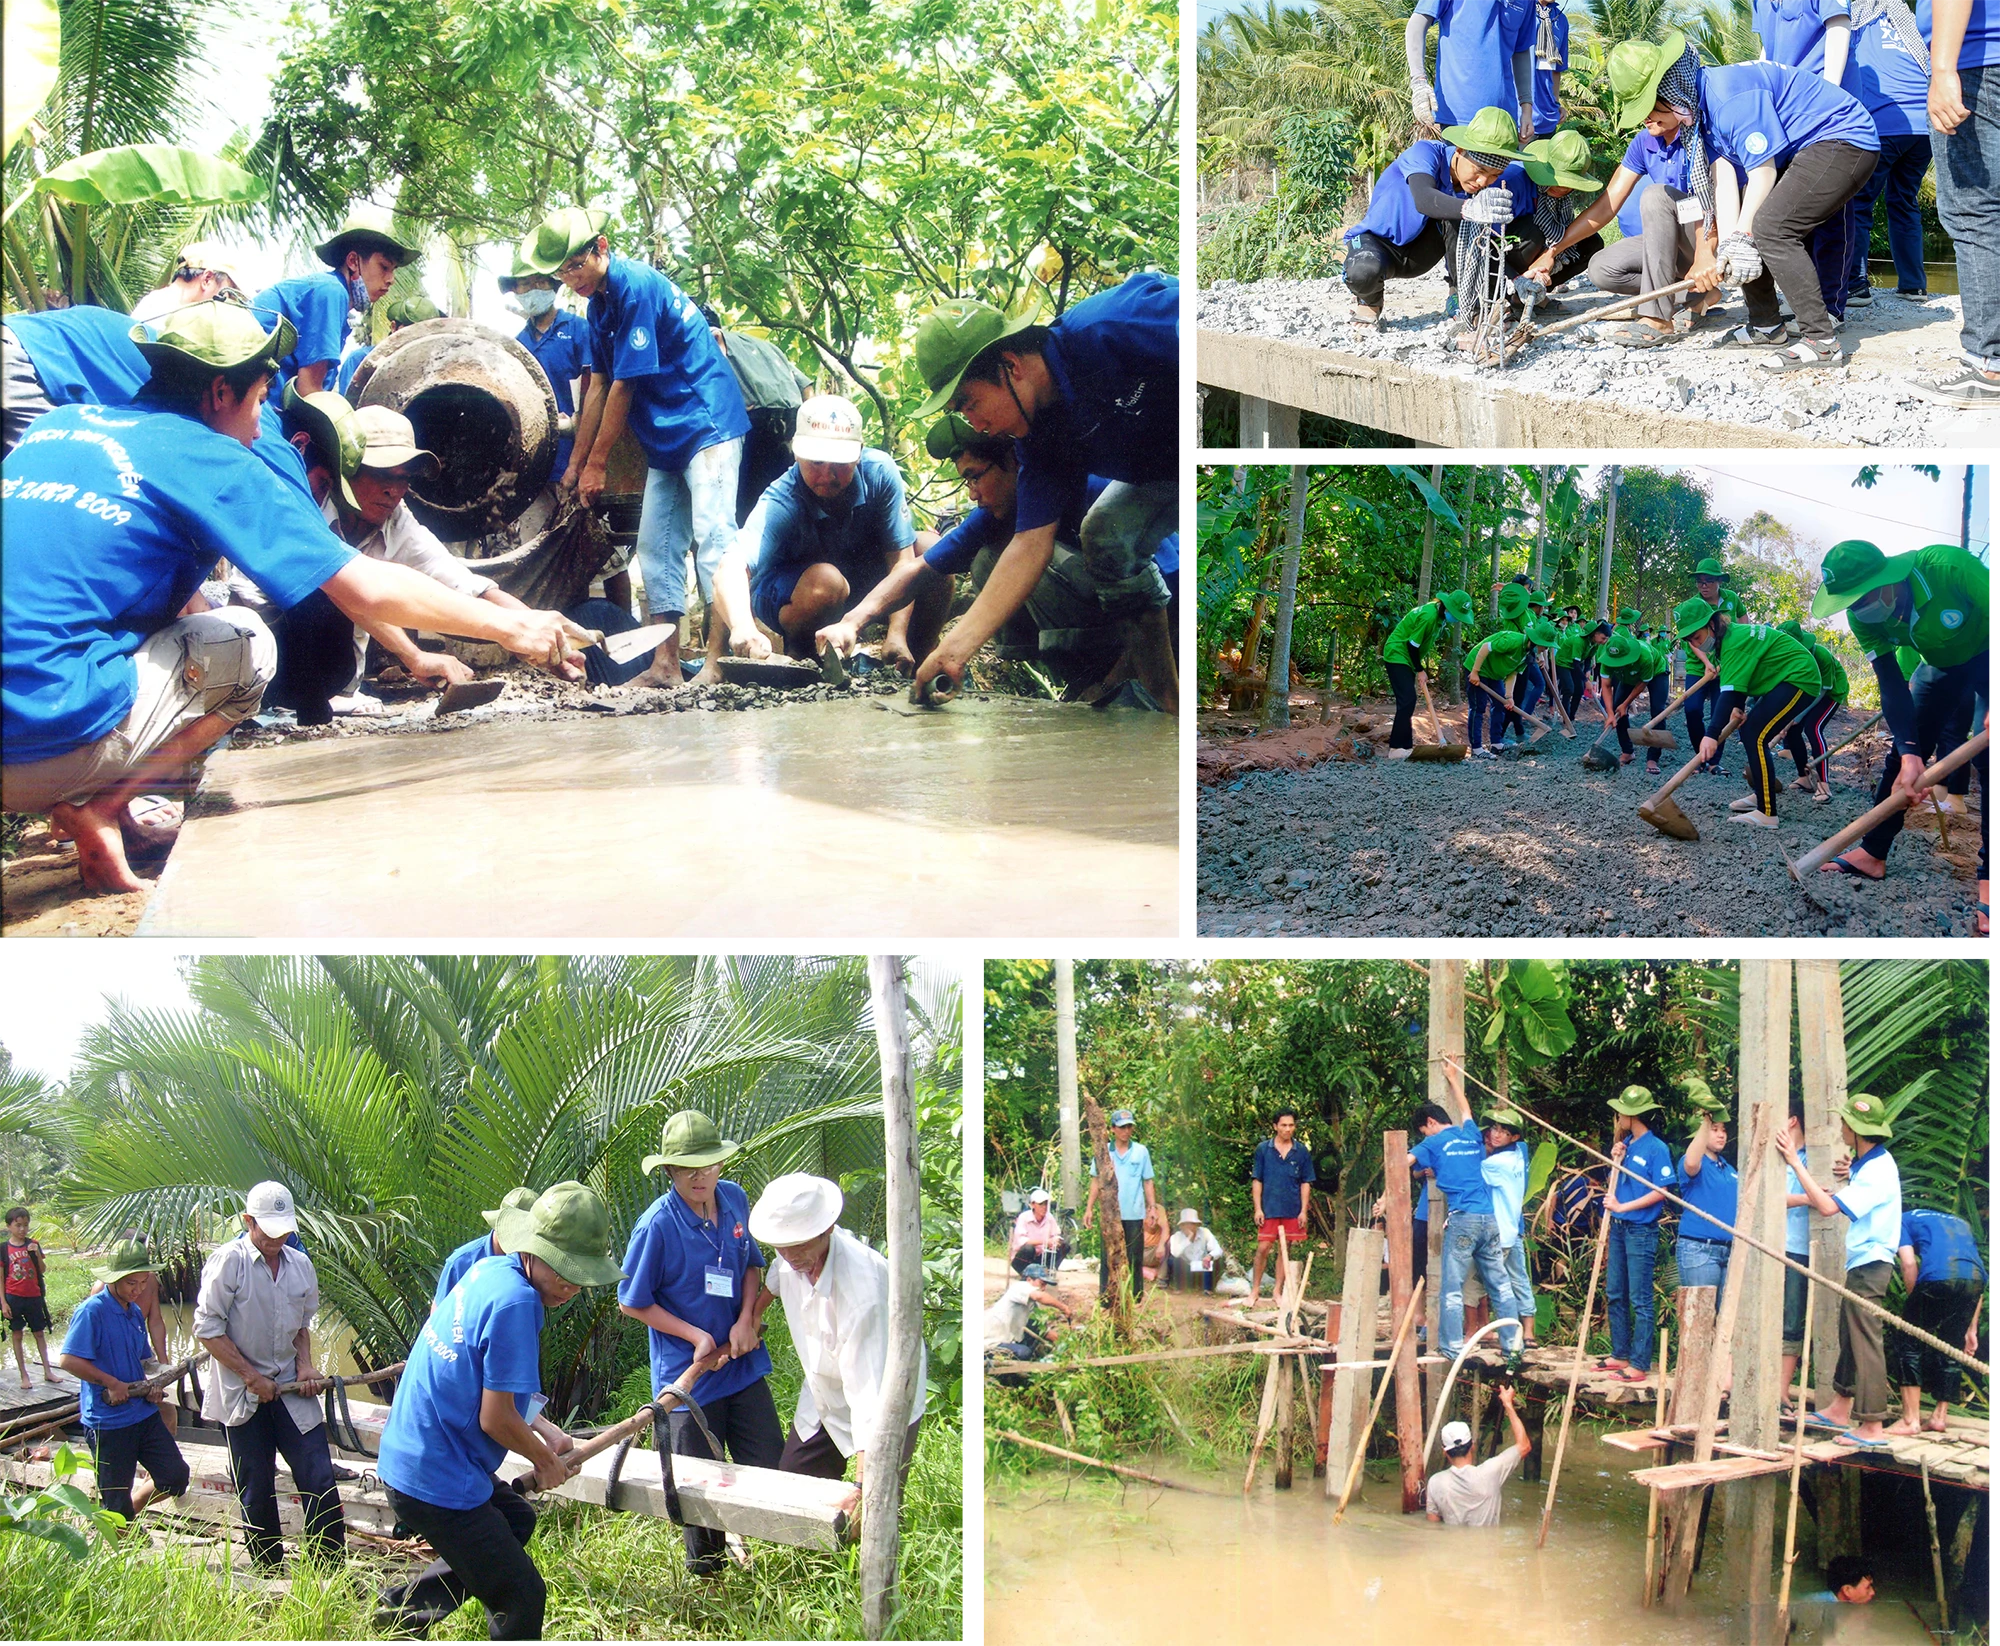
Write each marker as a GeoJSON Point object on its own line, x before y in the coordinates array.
{"type": "Point", "coordinates": [51, 992]}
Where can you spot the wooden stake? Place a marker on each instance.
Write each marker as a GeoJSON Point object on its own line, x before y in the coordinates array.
{"type": "Point", "coordinates": [1099, 1463]}
{"type": "Point", "coordinates": [1798, 1460]}
{"type": "Point", "coordinates": [1575, 1372]}
{"type": "Point", "coordinates": [1930, 1519]}
{"type": "Point", "coordinates": [1409, 1397]}
{"type": "Point", "coordinates": [1395, 1360]}
{"type": "Point", "coordinates": [1323, 1418]}
{"type": "Point", "coordinates": [1268, 1409]}
{"type": "Point", "coordinates": [1653, 1492]}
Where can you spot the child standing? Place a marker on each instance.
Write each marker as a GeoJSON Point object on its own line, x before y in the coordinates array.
{"type": "Point", "coordinates": [26, 1295]}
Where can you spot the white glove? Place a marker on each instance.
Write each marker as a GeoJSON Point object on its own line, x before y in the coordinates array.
{"type": "Point", "coordinates": [1423, 103]}
{"type": "Point", "coordinates": [1740, 259]}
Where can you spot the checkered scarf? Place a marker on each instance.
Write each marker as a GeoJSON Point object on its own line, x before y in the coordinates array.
{"type": "Point", "coordinates": [1863, 12]}
{"type": "Point", "coordinates": [1553, 216]}
{"type": "Point", "coordinates": [1680, 90]}
{"type": "Point", "coordinates": [1547, 54]}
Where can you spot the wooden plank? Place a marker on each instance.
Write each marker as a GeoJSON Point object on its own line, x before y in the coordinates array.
{"type": "Point", "coordinates": [1349, 1427]}
{"type": "Point", "coordinates": [1445, 1036]}
{"type": "Point", "coordinates": [1409, 1397]}
{"type": "Point", "coordinates": [1323, 1418]}
{"type": "Point", "coordinates": [1717, 1471]}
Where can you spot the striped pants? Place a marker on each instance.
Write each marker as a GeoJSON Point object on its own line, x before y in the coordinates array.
{"type": "Point", "coordinates": [1806, 738]}
{"type": "Point", "coordinates": [1765, 723]}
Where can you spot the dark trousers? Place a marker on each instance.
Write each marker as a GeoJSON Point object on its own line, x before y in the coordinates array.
{"type": "Point", "coordinates": [610, 618]}
{"type": "Point", "coordinates": [1656, 695]}
{"type": "Point", "coordinates": [118, 1454]}
{"type": "Point", "coordinates": [1135, 1251]}
{"type": "Point", "coordinates": [1944, 1308]}
{"type": "Point", "coordinates": [1420, 1248]}
{"type": "Point", "coordinates": [1861, 1371]}
{"type": "Point", "coordinates": [1373, 261]}
{"type": "Point", "coordinates": [1051, 1260]}
{"type": "Point", "coordinates": [1403, 682]}
{"type": "Point", "coordinates": [747, 1425]}
{"type": "Point", "coordinates": [315, 659]}
{"type": "Point", "coordinates": [1899, 172]}
{"type": "Point", "coordinates": [1943, 700]}
{"type": "Point", "coordinates": [817, 1454]}
{"type": "Point", "coordinates": [1768, 717]}
{"type": "Point", "coordinates": [1185, 1279]}
{"type": "Point", "coordinates": [1570, 263]}
{"type": "Point", "coordinates": [1814, 189]}
{"type": "Point", "coordinates": [1529, 686]}
{"type": "Point", "coordinates": [1571, 677]}
{"type": "Point", "coordinates": [1806, 736]}
{"type": "Point", "coordinates": [1956, 729]}
{"type": "Point", "coordinates": [1794, 1327]}
{"type": "Point", "coordinates": [482, 1552]}
{"type": "Point", "coordinates": [254, 1446]}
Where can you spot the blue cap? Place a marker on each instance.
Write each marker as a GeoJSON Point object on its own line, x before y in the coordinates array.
{"type": "Point", "coordinates": [1035, 1271]}
{"type": "Point", "coordinates": [1122, 1117]}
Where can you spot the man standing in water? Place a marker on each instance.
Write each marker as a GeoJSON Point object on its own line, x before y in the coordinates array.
{"type": "Point", "coordinates": [1468, 1494]}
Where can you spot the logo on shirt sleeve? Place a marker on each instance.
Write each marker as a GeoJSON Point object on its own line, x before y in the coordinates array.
{"type": "Point", "coordinates": [638, 337]}
{"type": "Point", "coordinates": [1951, 619]}
{"type": "Point", "coordinates": [1756, 143]}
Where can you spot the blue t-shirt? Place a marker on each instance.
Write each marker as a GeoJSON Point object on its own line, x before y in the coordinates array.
{"type": "Point", "coordinates": [563, 352]}
{"type": "Point", "coordinates": [487, 1334]}
{"type": "Point", "coordinates": [1653, 162]}
{"type": "Point", "coordinates": [456, 1265]}
{"type": "Point", "coordinates": [1712, 1189]}
{"type": "Point", "coordinates": [1133, 1168]}
{"type": "Point", "coordinates": [1281, 1176]}
{"type": "Point", "coordinates": [318, 306]}
{"type": "Point", "coordinates": [1793, 32]}
{"type": "Point", "coordinates": [1890, 84]}
{"type": "Point", "coordinates": [112, 1337]}
{"type": "Point", "coordinates": [1982, 32]}
{"type": "Point", "coordinates": [1477, 40]}
{"type": "Point", "coordinates": [112, 519]}
{"type": "Point", "coordinates": [84, 356]}
{"type": "Point", "coordinates": [1798, 1219]}
{"type": "Point", "coordinates": [1648, 1157]}
{"type": "Point", "coordinates": [791, 527]}
{"type": "Point", "coordinates": [278, 454]}
{"type": "Point", "coordinates": [645, 331]}
{"type": "Point", "coordinates": [1762, 113]}
{"type": "Point", "coordinates": [350, 363]}
{"type": "Point", "coordinates": [1392, 214]}
{"type": "Point", "coordinates": [1455, 1157]}
{"type": "Point", "coordinates": [1548, 110]}
{"type": "Point", "coordinates": [1944, 1246]}
{"type": "Point", "coordinates": [667, 1263]}
{"type": "Point", "coordinates": [1116, 361]}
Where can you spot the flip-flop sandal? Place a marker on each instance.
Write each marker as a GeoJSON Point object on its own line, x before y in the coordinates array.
{"type": "Point", "coordinates": [1629, 1374]}
{"type": "Point", "coordinates": [1751, 337]}
{"type": "Point", "coordinates": [1607, 1364]}
{"type": "Point", "coordinates": [1801, 356]}
{"type": "Point", "coordinates": [1630, 334]}
{"type": "Point", "coordinates": [1847, 1437]}
{"type": "Point", "coordinates": [1842, 866]}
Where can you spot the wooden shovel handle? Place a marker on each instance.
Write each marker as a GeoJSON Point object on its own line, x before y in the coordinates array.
{"type": "Point", "coordinates": [1687, 771]}
{"type": "Point", "coordinates": [1604, 309]}
{"type": "Point", "coordinates": [1839, 843]}
{"type": "Point", "coordinates": [1853, 735]}
{"type": "Point", "coordinates": [1437, 726]}
{"type": "Point", "coordinates": [1533, 720]}
{"type": "Point", "coordinates": [1655, 723]}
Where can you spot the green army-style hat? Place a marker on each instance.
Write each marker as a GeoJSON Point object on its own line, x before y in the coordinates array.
{"type": "Point", "coordinates": [222, 335]}
{"type": "Point", "coordinates": [949, 436]}
{"type": "Point", "coordinates": [1489, 132]}
{"type": "Point", "coordinates": [512, 1204]}
{"type": "Point", "coordinates": [1692, 614]}
{"type": "Point", "coordinates": [1702, 1095]}
{"type": "Point", "coordinates": [568, 1228]}
{"type": "Point", "coordinates": [1635, 70]}
{"type": "Point", "coordinates": [413, 309]}
{"type": "Point", "coordinates": [128, 1257]}
{"type": "Point", "coordinates": [1561, 161]}
{"type": "Point", "coordinates": [1541, 632]}
{"type": "Point", "coordinates": [1852, 569]}
{"type": "Point", "coordinates": [519, 272]}
{"type": "Point", "coordinates": [689, 1140]}
{"type": "Point", "coordinates": [558, 237]}
{"type": "Point", "coordinates": [1621, 651]}
{"type": "Point", "coordinates": [1513, 602]}
{"type": "Point", "coordinates": [951, 337]}
{"type": "Point", "coordinates": [1711, 567]}
{"type": "Point", "coordinates": [1457, 606]}
{"type": "Point", "coordinates": [1634, 1100]}
{"type": "Point", "coordinates": [330, 420]}
{"type": "Point", "coordinates": [365, 229]}
{"type": "Point", "coordinates": [1866, 1115]}
{"type": "Point", "coordinates": [1505, 1114]}
{"type": "Point", "coordinates": [1797, 630]}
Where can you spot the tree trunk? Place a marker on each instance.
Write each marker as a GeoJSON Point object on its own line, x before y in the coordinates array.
{"type": "Point", "coordinates": [1541, 529]}
{"type": "Point", "coordinates": [1493, 568]}
{"type": "Point", "coordinates": [1430, 538]}
{"type": "Point", "coordinates": [1110, 1227]}
{"type": "Point", "coordinates": [1610, 527]}
{"type": "Point", "coordinates": [1072, 1148]}
{"type": "Point", "coordinates": [1278, 693]}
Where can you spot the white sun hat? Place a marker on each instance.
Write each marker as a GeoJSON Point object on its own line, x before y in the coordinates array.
{"type": "Point", "coordinates": [1457, 1436]}
{"type": "Point", "coordinates": [794, 1208]}
{"type": "Point", "coordinates": [1190, 1215]}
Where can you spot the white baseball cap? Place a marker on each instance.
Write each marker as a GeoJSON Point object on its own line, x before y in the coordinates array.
{"type": "Point", "coordinates": [214, 257]}
{"type": "Point", "coordinates": [794, 1208]}
{"type": "Point", "coordinates": [271, 1205]}
{"type": "Point", "coordinates": [1038, 1195]}
{"type": "Point", "coordinates": [828, 430]}
{"type": "Point", "coordinates": [1457, 1437]}
{"type": "Point", "coordinates": [1190, 1215]}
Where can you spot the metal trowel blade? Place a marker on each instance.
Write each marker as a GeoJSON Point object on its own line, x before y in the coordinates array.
{"type": "Point", "coordinates": [622, 648]}
{"type": "Point", "coordinates": [459, 698]}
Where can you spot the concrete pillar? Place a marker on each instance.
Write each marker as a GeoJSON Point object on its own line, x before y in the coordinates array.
{"type": "Point", "coordinates": [1263, 424]}
{"type": "Point", "coordinates": [1353, 1391]}
{"type": "Point", "coordinates": [1823, 1081]}
{"type": "Point", "coordinates": [1069, 1119]}
{"type": "Point", "coordinates": [1447, 1034]}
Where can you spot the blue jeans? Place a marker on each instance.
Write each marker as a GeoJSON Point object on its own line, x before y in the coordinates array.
{"type": "Point", "coordinates": [1528, 688]}
{"type": "Point", "coordinates": [1702, 1263]}
{"type": "Point", "coordinates": [691, 507]}
{"type": "Point", "coordinates": [1481, 710]}
{"type": "Point", "coordinates": [1630, 1253]}
{"type": "Point", "coordinates": [1906, 156]}
{"type": "Point", "coordinates": [1473, 1238]}
{"type": "Point", "coordinates": [1518, 1284]}
{"type": "Point", "coordinates": [1968, 190]}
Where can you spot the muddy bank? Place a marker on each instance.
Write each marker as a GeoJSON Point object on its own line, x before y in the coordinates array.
{"type": "Point", "coordinates": [1539, 847]}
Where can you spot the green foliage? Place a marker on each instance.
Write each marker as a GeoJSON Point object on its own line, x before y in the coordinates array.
{"type": "Point", "coordinates": [1530, 1013]}
{"type": "Point", "coordinates": [143, 172]}
{"type": "Point", "coordinates": [60, 1514]}
{"type": "Point", "coordinates": [1294, 234]}
{"type": "Point", "coordinates": [33, 53]}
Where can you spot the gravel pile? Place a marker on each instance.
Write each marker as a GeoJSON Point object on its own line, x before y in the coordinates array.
{"type": "Point", "coordinates": [1538, 848]}
{"type": "Point", "coordinates": [1850, 405]}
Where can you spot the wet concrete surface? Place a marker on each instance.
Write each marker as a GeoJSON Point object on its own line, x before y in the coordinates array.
{"type": "Point", "coordinates": [830, 822]}
{"type": "Point", "coordinates": [1540, 847]}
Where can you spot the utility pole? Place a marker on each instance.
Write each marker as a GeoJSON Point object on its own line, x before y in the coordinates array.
{"type": "Point", "coordinates": [1610, 529]}
{"type": "Point", "coordinates": [1430, 538]}
{"type": "Point", "coordinates": [1278, 687]}
{"type": "Point", "coordinates": [1072, 1148]}
{"type": "Point", "coordinates": [1541, 529]}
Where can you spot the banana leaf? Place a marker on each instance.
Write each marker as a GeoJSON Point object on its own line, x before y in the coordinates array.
{"type": "Point", "coordinates": [33, 47]}
{"type": "Point", "coordinates": [141, 172]}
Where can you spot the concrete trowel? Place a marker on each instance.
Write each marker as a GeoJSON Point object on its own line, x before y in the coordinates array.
{"type": "Point", "coordinates": [622, 648]}
{"type": "Point", "coordinates": [786, 673]}
{"type": "Point", "coordinates": [471, 695]}
{"type": "Point", "coordinates": [1659, 809]}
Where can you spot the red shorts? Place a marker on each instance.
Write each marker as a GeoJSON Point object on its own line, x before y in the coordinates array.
{"type": "Point", "coordinates": [1294, 1229]}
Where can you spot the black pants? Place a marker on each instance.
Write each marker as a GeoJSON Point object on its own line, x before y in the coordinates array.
{"type": "Point", "coordinates": [1944, 1308]}
{"type": "Point", "coordinates": [1819, 182]}
{"type": "Point", "coordinates": [1403, 682]}
{"type": "Point", "coordinates": [1135, 1251]}
{"type": "Point", "coordinates": [1372, 261]}
{"type": "Point", "coordinates": [1768, 717]}
{"type": "Point", "coordinates": [315, 659]}
{"type": "Point", "coordinates": [1806, 737]}
{"type": "Point", "coordinates": [1420, 1249]}
{"type": "Point", "coordinates": [1570, 263]}
{"type": "Point", "coordinates": [817, 1454]}
{"type": "Point", "coordinates": [118, 1454]}
{"type": "Point", "coordinates": [1185, 1279]}
{"type": "Point", "coordinates": [1571, 677]}
{"type": "Point", "coordinates": [482, 1552]}
{"type": "Point", "coordinates": [747, 1425]}
{"type": "Point", "coordinates": [1034, 1254]}
{"type": "Point", "coordinates": [1656, 694]}
{"type": "Point", "coordinates": [610, 618]}
{"type": "Point", "coordinates": [254, 1446]}
{"type": "Point", "coordinates": [1943, 700]}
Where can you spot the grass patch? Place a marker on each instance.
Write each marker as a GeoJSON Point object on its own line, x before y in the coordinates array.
{"type": "Point", "coordinates": [610, 1577]}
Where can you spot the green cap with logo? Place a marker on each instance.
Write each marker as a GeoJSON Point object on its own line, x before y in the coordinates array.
{"type": "Point", "coordinates": [1692, 614]}
{"type": "Point", "coordinates": [1561, 161]}
{"type": "Point", "coordinates": [1852, 569]}
{"type": "Point", "coordinates": [1635, 70]}
{"type": "Point", "coordinates": [1711, 567]}
{"type": "Point", "coordinates": [1866, 1115]}
{"type": "Point", "coordinates": [366, 229]}
{"type": "Point", "coordinates": [1634, 1100]}
{"type": "Point", "coordinates": [1793, 627]}
{"type": "Point", "coordinates": [1490, 131]}
{"type": "Point", "coordinates": [128, 1257]}
{"type": "Point", "coordinates": [558, 237]}
{"type": "Point", "coordinates": [221, 334]}
{"type": "Point", "coordinates": [689, 1139]}
{"type": "Point", "coordinates": [568, 1228]}
{"type": "Point", "coordinates": [1457, 606]}
{"type": "Point", "coordinates": [1621, 651]}
{"type": "Point", "coordinates": [951, 337]}
{"type": "Point", "coordinates": [949, 436]}
{"type": "Point", "coordinates": [331, 422]}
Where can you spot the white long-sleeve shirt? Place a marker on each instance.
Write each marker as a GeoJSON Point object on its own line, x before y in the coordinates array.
{"type": "Point", "coordinates": [840, 1328]}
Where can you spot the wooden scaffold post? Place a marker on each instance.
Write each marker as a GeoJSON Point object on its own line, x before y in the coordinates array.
{"type": "Point", "coordinates": [1110, 1229]}
{"type": "Point", "coordinates": [1446, 1040]}
{"type": "Point", "coordinates": [1402, 1263]}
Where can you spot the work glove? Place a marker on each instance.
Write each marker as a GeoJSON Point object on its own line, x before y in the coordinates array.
{"type": "Point", "coordinates": [1423, 103]}
{"type": "Point", "coordinates": [1739, 259]}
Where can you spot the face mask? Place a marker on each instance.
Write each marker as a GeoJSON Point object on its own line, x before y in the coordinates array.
{"type": "Point", "coordinates": [357, 293]}
{"type": "Point", "coordinates": [1876, 606]}
{"type": "Point", "coordinates": [535, 303]}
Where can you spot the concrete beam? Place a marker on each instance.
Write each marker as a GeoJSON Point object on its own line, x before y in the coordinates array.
{"type": "Point", "coordinates": [1431, 408]}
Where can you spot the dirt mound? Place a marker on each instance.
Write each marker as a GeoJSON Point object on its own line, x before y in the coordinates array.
{"type": "Point", "coordinates": [1287, 751]}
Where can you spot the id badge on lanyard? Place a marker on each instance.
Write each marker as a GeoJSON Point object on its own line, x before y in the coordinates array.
{"type": "Point", "coordinates": [718, 1281]}
{"type": "Point", "coordinates": [535, 1404]}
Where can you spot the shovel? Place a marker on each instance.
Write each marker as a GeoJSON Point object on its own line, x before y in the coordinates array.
{"type": "Point", "coordinates": [1839, 843]}
{"type": "Point", "coordinates": [1533, 720]}
{"type": "Point", "coordinates": [456, 699]}
{"type": "Point", "coordinates": [1594, 757]}
{"type": "Point", "coordinates": [1440, 750]}
{"type": "Point", "coordinates": [1660, 811]}
{"type": "Point", "coordinates": [1649, 735]}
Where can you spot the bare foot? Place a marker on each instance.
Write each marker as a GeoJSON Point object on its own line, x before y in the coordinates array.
{"type": "Point", "coordinates": [100, 848]}
{"type": "Point", "coordinates": [1903, 1427]}
{"type": "Point", "coordinates": [710, 675]}
{"type": "Point", "coordinates": [1937, 1425]}
{"type": "Point", "coordinates": [661, 680]}
{"type": "Point", "coordinates": [52, 1375]}
{"type": "Point", "coordinates": [1839, 1414]}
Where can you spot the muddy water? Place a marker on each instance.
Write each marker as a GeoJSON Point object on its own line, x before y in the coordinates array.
{"type": "Point", "coordinates": [1152, 1568]}
{"type": "Point", "coordinates": [805, 824]}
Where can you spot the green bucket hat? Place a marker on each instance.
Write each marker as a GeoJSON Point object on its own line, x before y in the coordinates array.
{"type": "Point", "coordinates": [1513, 601]}
{"type": "Point", "coordinates": [1852, 569]}
{"type": "Point", "coordinates": [330, 420]}
{"type": "Point", "coordinates": [221, 334]}
{"type": "Point", "coordinates": [1634, 1100]}
{"type": "Point", "coordinates": [1635, 69]}
{"type": "Point", "coordinates": [365, 229]}
{"type": "Point", "coordinates": [1691, 614]}
{"type": "Point", "coordinates": [1541, 632]}
{"type": "Point", "coordinates": [1561, 161]}
{"type": "Point", "coordinates": [1457, 606]}
{"type": "Point", "coordinates": [129, 1257]}
{"type": "Point", "coordinates": [1490, 131]}
{"type": "Point", "coordinates": [1621, 651]}
{"type": "Point", "coordinates": [558, 237]}
{"type": "Point", "coordinates": [1628, 615]}
{"type": "Point", "coordinates": [1702, 1095]}
{"type": "Point", "coordinates": [519, 272]}
{"type": "Point", "coordinates": [1796, 630]}
{"type": "Point", "coordinates": [689, 1139]}
{"type": "Point", "coordinates": [951, 337]}
{"type": "Point", "coordinates": [1711, 567]}
{"type": "Point", "coordinates": [1866, 1116]}
{"type": "Point", "coordinates": [569, 1228]}
{"type": "Point", "coordinates": [948, 437]}
{"type": "Point", "coordinates": [512, 1204]}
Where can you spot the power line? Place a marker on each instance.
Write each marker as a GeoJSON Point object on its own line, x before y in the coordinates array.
{"type": "Point", "coordinates": [1821, 502]}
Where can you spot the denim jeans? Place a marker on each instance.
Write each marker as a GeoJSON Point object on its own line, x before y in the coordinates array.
{"type": "Point", "coordinates": [1481, 710]}
{"type": "Point", "coordinates": [692, 507]}
{"type": "Point", "coordinates": [1968, 191]}
{"type": "Point", "coordinates": [1631, 1251]}
{"type": "Point", "coordinates": [1702, 1263]}
{"type": "Point", "coordinates": [1906, 156]}
{"type": "Point", "coordinates": [1473, 1238]}
{"type": "Point", "coordinates": [1518, 1283]}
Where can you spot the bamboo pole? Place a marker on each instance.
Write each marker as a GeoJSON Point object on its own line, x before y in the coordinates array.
{"type": "Point", "coordinates": [1653, 1492]}
{"type": "Point", "coordinates": [1375, 1411]}
{"type": "Point", "coordinates": [1099, 1463]}
{"type": "Point", "coordinates": [387, 1374]}
{"type": "Point", "coordinates": [1937, 1555]}
{"type": "Point", "coordinates": [1575, 1369]}
{"type": "Point", "coordinates": [1798, 1461]}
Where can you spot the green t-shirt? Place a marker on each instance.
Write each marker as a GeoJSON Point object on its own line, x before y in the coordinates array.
{"type": "Point", "coordinates": [1572, 643]}
{"type": "Point", "coordinates": [1832, 677]}
{"type": "Point", "coordinates": [1508, 651]}
{"type": "Point", "coordinates": [1415, 634]}
{"type": "Point", "coordinates": [1948, 599]}
{"type": "Point", "coordinates": [1730, 603]}
{"type": "Point", "coordinates": [1757, 659]}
